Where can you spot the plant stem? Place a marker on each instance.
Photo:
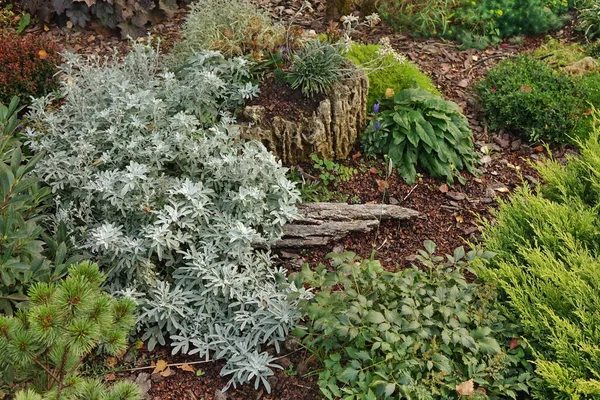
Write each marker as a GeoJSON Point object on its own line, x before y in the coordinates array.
{"type": "Point", "coordinates": [13, 298]}
{"type": "Point", "coordinates": [35, 360]}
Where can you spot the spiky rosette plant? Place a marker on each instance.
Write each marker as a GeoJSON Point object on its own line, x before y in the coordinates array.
{"type": "Point", "coordinates": [43, 346]}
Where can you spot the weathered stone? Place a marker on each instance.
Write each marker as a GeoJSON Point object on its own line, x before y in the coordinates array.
{"type": "Point", "coordinates": [582, 67]}
{"type": "Point", "coordinates": [319, 224]}
{"type": "Point", "coordinates": [330, 132]}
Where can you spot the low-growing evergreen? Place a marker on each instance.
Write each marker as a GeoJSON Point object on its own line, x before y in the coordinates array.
{"type": "Point", "coordinates": [44, 345]}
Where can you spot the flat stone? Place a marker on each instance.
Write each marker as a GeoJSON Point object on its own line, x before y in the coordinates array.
{"type": "Point", "coordinates": [457, 196]}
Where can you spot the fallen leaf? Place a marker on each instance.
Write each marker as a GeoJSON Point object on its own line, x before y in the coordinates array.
{"type": "Point", "coordinates": [139, 344]}
{"type": "Point", "coordinates": [526, 89]}
{"type": "Point", "coordinates": [588, 111]}
{"type": "Point", "coordinates": [459, 219]}
{"type": "Point", "coordinates": [166, 372]}
{"type": "Point", "coordinates": [466, 388]}
{"type": "Point", "coordinates": [69, 25]}
{"type": "Point", "coordinates": [539, 148]}
{"type": "Point", "coordinates": [373, 170]}
{"type": "Point", "coordinates": [46, 29]}
{"type": "Point", "coordinates": [444, 188]}
{"type": "Point", "coordinates": [389, 92]}
{"type": "Point", "coordinates": [502, 189]}
{"type": "Point", "coordinates": [514, 342]}
{"type": "Point", "coordinates": [161, 365]}
{"type": "Point", "coordinates": [186, 367]}
{"type": "Point", "coordinates": [42, 54]}
{"type": "Point", "coordinates": [110, 377]}
{"type": "Point", "coordinates": [356, 156]}
{"type": "Point", "coordinates": [111, 362]}
{"type": "Point", "coordinates": [381, 184]}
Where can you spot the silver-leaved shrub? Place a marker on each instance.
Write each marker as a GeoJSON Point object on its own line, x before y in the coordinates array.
{"type": "Point", "coordinates": [172, 204]}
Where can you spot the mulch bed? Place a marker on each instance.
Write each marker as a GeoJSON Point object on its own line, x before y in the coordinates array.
{"type": "Point", "coordinates": [449, 216]}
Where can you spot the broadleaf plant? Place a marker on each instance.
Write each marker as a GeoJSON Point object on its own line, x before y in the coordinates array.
{"type": "Point", "coordinates": [164, 196]}
{"type": "Point", "coordinates": [414, 334]}
{"type": "Point", "coordinates": [415, 127]}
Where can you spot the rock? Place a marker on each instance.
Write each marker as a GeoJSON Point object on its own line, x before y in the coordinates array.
{"type": "Point", "coordinates": [503, 143]}
{"type": "Point", "coordinates": [457, 196]}
{"type": "Point", "coordinates": [516, 145]}
{"type": "Point", "coordinates": [394, 201]}
{"type": "Point", "coordinates": [220, 395]}
{"type": "Point", "coordinates": [318, 224]}
{"type": "Point", "coordinates": [156, 377]}
{"type": "Point", "coordinates": [582, 67]}
{"type": "Point", "coordinates": [470, 230]}
{"type": "Point", "coordinates": [339, 248]}
{"type": "Point", "coordinates": [330, 132]}
{"type": "Point", "coordinates": [464, 83]}
{"type": "Point", "coordinates": [486, 200]}
{"type": "Point", "coordinates": [144, 382]}
{"type": "Point", "coordinates": [485, 160]}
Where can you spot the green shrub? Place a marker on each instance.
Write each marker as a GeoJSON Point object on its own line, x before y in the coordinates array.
{"type": "Point", "coordinates": [315, 67]}
{"type": "Point", "coordinates": [413, 334]}
{"type": "Point", "coordinates": [526, 96]}
{"type": "Point", "coordinates": [386, 71]}
{"type": "Point", "coordinates": [423, 17]}
{"type": "Point", "coordinates": [175, 206]}
{"type": "Point", "coordinates": [417, 127]}
{"type": "Point", "coordinates": [43, 346]}
{"type": "Point", "coordinates": [232, 27]}
{"type": "Point", "coordinates": [25, 249]}
{"type": "Point", "coordinates": [548, 267]}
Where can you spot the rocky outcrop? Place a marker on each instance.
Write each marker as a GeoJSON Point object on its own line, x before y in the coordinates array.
{"type": "Point", "coordinates": [329, 132]}
{"type": "Point", "coordinates": [319, 224]}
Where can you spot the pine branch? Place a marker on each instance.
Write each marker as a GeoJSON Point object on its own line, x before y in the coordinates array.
{"type": "Point", "coordinates": [35, 360]}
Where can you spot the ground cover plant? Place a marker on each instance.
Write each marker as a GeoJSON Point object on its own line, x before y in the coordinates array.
{"type": "Point", "coordinates": [421, 333]}
{"type": "Point", "coordinates": [27, 67]}
{"type": "Point", "coordinates": [387, 70]}
{"type": "Point", "coordinates": [526, 96]}
{"type": "Point", "coordinates": [171, 204]}
{"type": "Point", "coordinates": [547, 269]}
{"type": "Point", "coordinates": [416, 127]}
{"type": "Point", "coordinates": [43, 346]}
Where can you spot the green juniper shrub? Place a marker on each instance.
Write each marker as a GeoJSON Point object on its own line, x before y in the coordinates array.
{"type": "Point", "coordinates": [526, 96]}
{"type": "Point", "coordinates": [548, 269]}
{"type": "Point", "coordinates": [413, 334]}
{"type": "Point", "coordinates": [43, 346]}
{"type": "Point", "coordinates": [417, 127]}
{"type": "Point", "coordinates": [387, 71]}
{"type": "Point", "coordinates": [315, 67]}
{"type": "Point", "coordinates": [25, 248]}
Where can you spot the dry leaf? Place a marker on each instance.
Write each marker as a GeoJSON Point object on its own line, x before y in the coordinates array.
{"type": "Point", "coordinates": [389, 92]}
{"type": "Point", "coordinates": [588, 111]}
{"type": "Point", "coordinates": [69, 25]}
{"type": "Point", "coordinates": [373, 170]}
{"type": "Point", "coordinates": [526, 89]}
{"type": "Point", "coordinates": [539, 149]}
{"type": "Point", "coordinates": [110, 377]}
{"type": "Point", "coordinates": [466, 388]}
{"type": "Point", "coordinates": [381, 184]}
{"type": "Point", "coordinates": [161, 365]}
{"type": "Point", "coordinates": [139, 344]}
{"type": "Point", "coordinates": [502, 189]}
{"type": "Point", "coordinates": [356, 156]}
{"type": "Point", "coordinates": [111, 362]}
{"type": "Point", "coordinates": [514, 342]}
{"type": "Point", "coordinates": [186, 367]}
{"type": "Point", "coordinates": [166, 372]}
{"type": "Point", "coordinates": [444, 188]}
{"type": "Point", "coordinates": [42, 54]}
{"type": "Point", "coordinates": [459, 219]}
{"type": "Point", "coordinates": [46, 29]}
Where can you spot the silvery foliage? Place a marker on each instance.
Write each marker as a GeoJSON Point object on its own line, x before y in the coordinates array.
{"type": "Point", "coordinates": [172, 208]}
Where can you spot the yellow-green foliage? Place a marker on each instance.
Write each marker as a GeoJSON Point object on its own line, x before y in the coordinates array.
{"type": "Point", "coordinates": [386, 72]}
{"type": "Point", "coordinates": [548, 266]}
{"type": "Point", "coordinates": [558, 54]}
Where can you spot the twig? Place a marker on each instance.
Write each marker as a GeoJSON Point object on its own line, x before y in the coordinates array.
{"type": "Point", "coordinates": [13, 298]}
{"type": "Point", "coordinates": [484, 59]}
{"type": "Point", "coordinates": [170, 365]}
{"type": "Point", "coordinates": [409, 193]}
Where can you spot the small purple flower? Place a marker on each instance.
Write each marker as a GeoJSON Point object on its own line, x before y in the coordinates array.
{"type": "Point", "coordinates": [377, 126]}
{"type": "Point", "coordinates": [282, 49]}
{"type": "Point", "coordinates": [376, 108]}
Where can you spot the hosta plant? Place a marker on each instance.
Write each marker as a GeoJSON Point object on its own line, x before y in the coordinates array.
{"type": "Point", "coordinates": [418, 127]}
{"type": "Point", "coordinates": [421, 333]}
{"type": "Point", "coordinates": [177, 209]}
{"type": "Point", "coordinates": [44, 345]}
{"type": "Point", "coordinates": [130, 16]}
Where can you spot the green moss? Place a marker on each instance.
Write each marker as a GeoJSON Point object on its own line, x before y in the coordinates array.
{"type": "Point", "coordinates": [558, 54]}
{"type": "Point", "coordinates": [386, 72]}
